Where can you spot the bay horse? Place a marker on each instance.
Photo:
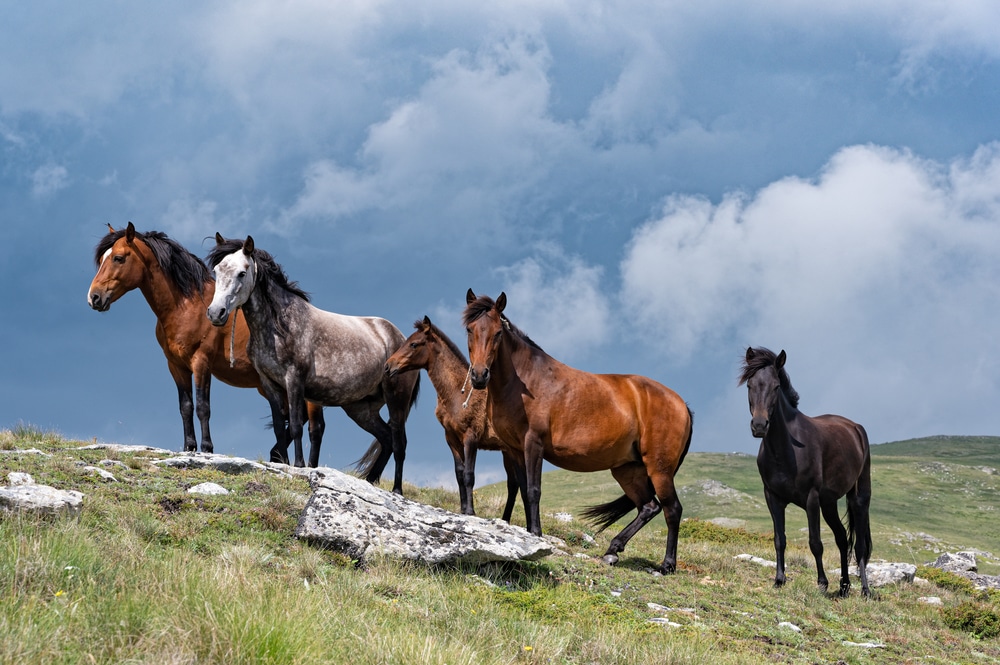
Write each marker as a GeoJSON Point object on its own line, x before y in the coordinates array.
{"type": "Point", "coordinates": [542, 409]}
{"type": "Point", "coordinates": [466, 427]}
{"type": "Point", "coordinates": [811, 462]}
{"type": "Point", "coordinates": [305, 353]}
{"type": "Point", "coordinates": [176, 285]}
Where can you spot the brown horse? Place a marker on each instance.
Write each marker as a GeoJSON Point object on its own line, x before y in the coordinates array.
{"type": "Point", "coordinates": [466, 428]}
{"type": "Point", "coordinates": [178, 288]}
{"type": "Point", "coordinates": [541, 408]}
{"type": "Point", "coordinates": [810, 462]}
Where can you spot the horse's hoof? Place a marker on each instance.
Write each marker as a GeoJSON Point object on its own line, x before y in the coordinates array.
{"type": "Point", "coordinates": [779, 583]}
{"type": "Point", "coordinates": [610, 559]}
{"type": "Point", "coordinates": [207, 450]}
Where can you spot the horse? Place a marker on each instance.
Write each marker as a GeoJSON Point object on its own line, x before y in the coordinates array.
{"type": "Point", "coordinates": [304, 353]}
{"type": "Point", "coordinates": [466, 428]}
{"type": "Point", "coordinates": [542, 409]}
{"type": "Point", "coordinates": [811, 462]}
{"type": "Point", "coordinates": [176, 284]}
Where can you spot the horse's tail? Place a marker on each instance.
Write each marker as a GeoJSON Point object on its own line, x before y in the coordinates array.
{"type": "Point", "coordinates": [859, 528]}
{"type": "Point", "coordinates": [604, 515]}
{"type": "Point", "coordinates": [687, 444]}
{"type": "Point", "coordinates": [367, 461]}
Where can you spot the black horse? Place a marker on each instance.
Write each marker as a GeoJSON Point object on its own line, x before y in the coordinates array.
{"type": "Point", "coordinates": [811, 462]}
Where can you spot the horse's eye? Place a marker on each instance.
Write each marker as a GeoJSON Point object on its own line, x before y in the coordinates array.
{"type": "Point", "coordinates": [120, 258]}
{"type": "Point", "coordinates": [243, 273]}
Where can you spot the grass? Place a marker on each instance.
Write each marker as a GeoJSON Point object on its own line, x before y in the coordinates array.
{"type": "Point", "coordinates": [149, 574]}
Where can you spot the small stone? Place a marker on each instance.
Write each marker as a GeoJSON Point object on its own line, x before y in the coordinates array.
{"type": "Point", "coordinates": [210, 489]}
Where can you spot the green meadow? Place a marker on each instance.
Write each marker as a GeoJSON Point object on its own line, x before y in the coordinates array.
{"type": "Point", "coordinates": [151, 574]}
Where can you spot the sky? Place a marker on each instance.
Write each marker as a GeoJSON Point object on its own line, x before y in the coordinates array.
{"type": "Point", "coordinates": [656, 186]}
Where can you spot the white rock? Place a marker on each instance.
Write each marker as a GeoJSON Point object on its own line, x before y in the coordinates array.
{"type": "Point", "coordinates": [352, 516]}
{"type": "Point", "coordinates": [106, 475]}
{"type": "Point", "coordinates": [209, 489]}
{"type": "Point", "coordinates": [790, 626]}
{"type": "Point", "coordinates": [40, 499]}
{"type": "Point", "coordinates": [755, 559]}
{"type": "Point", "coordinates": [930, 600]}
{"type": "Point", "coordinates": [18, 478]}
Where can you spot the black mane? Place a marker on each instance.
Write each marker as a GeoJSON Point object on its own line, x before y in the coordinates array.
{"type": "Point", "coordinates": [763, 357]}
{"type": "Point", "coordinates": [180, 265]}
{"type": "Point", "coordinates": [483, 304]}
{"type": "Point", "coordinates": [269, 271]}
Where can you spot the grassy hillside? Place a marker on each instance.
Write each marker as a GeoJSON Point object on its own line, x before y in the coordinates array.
{"type": "Point", "coordinates": [151, 574]}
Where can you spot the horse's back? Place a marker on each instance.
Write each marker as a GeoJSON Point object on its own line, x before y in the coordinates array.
{"type": "Point", "coordinates": [372, 333]}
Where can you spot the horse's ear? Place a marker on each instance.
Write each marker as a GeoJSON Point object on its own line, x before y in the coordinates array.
{"type": "Point", "coordinates": [779, 362]}
{"type": "Point", "coordinates": [750, 353]}
{"type": "Point", "coordinates": [501, 302]}
{"type": "Point", "coordinates": [219, 239]}
{"type": "Point", "coordinates": [427, 321]}
{"type": "Point", "coordinates": [130, 232]}
{"type": "Point", "coordinates": [111, 229]}
{"type": "Point", "coordinates": [248, 246]}
{"type": "Point", "coordinates": [469, 297]}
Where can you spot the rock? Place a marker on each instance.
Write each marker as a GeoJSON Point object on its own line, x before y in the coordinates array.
{"type": "Point", "coordinates": [352, 516]}
{"type": "Point", "coordinates": [106, 475]}
{"type": "Point", "coordinates": [126, 449]}
{"type": "Point", "coordinates": [24, 451]}
{"type": "Point", "coordinates": [729, 522]}
{"type": "Point", "coordinates": [790, 626]}
{"type": "Point", "coordinates": [17, 478]}
{"type": "Point", "coordinates": [930, 600]}
{"type": "Point", "coordinates": [211, 489]}
{"type": "Point", "coordinates": [224, 463]}
{"type": "Point", "coordinates": [959, 562]}
{"type": "Point", "coordinates": [883, 573]}
{"type": "Point", "coordinates": [756, 559]}
{"type": "Point", "coordinates": [863, 645]}
{"type": "Point", "coordinates": [28, 496]}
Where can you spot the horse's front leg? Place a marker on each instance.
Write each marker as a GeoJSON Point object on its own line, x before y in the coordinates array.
{"type": "Point", "coordinates": [510, 466]}
{"type": "Point", "coordinates": [777, 509]}
{"type": "Point", "coordinates": [470, 446]}
{"type": "Point", "coordinates": [317, 425]}
{"type": "Point", "coordinates": [185, 398]}
{"type": "Point", "coordinates": [203, 392]}
{"type": "Point", "coordinates": [533, 449]}
{"type": "Point", "coordinates": [815, 542]}
{"type": "Point", "coordinates": [455, 446]}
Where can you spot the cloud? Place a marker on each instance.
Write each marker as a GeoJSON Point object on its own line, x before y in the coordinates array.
{"type": "Point", "coordinates": [49, 179]}
{"type": "Point", "coordinates": [559, 302]}
{"type": "Point", "coordinates": [879, 276]}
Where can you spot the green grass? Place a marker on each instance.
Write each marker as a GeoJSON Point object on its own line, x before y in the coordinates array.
{"type": "Point", "coordinates": [149, 574]}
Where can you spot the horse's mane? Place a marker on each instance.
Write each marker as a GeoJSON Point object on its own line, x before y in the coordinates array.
{"type": "Point", "coordinates": [268, 270]}
{"type": "Point", "coordinates": [420, 325]}
{"type": "Point", "coordinates": [763, 357]}
{"type": "Point", "coordinates": [483, 304]}
{"type": "Point", "coordinates": [180, 265]}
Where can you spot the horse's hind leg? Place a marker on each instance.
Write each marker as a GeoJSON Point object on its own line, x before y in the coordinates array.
{"type": "Point", "coordinates": [203, 405]}
{"type": "Point", "coordinates": [400, 393]}
{"type": "Point", "coordinates": [637, 487]}
{"type": "Point", "coordinates": [672, 510]}
{"type": "Point", "coordinates": [832, 517]}
{"type": "Point", "coordinates": [366, 414]}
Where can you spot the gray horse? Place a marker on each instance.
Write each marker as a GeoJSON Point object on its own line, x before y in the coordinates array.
{"type": "Point", "coordinates": [305, 353]}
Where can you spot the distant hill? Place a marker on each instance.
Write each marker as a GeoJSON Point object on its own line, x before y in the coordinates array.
{"type": "Point", "coordinates": [930, 495]}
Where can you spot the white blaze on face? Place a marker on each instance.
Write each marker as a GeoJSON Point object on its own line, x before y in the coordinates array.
{"type": "Point", "coordinates": [106, 255]}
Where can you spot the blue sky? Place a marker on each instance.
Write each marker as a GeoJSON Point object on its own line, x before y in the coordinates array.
{"type": "Point", "coordinates": [656, 186]}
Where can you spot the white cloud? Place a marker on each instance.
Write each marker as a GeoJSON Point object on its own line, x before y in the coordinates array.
{"type": "Point", "coordinates": [49, 179]}
{"type": "Point", "coordinates": [559, 302]}
{"type": "Point", "coordinates": [191, 221]}
{"type": "Point", "coordinates": [880, 278]}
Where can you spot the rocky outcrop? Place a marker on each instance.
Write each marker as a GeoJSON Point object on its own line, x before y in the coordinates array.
{"type": "Point", "coordinates": [351, 516]}
{"type": "Point", "coordinates": [23, 494]}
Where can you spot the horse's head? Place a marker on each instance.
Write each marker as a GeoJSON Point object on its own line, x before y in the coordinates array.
{"type": "Point", "coordinates": [484, 322]}
{"type": "Point", "coordinates": [416, 352]}
{"type": "Point", "coordinates": [235, 278]}
{"type": "Point", "coordinates": [764, 374]}
{"type": "Point", "coordinates": [121, 267]}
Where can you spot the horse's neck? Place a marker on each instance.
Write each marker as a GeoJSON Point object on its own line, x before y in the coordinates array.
{"type": "Point", "coordinates": [162, 293]}
{"type": "Point", "coordinates": [513, 360]}
{"type": "Point", "coordinates": [448, 374]}
{"type": "Point", "coordinates": [779, 431]}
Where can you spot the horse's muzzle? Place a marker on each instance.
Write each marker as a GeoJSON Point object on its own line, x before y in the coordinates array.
{"type": "Point", "coordinates": [218, 316]}
{"type": "Point", "coordinates": [100, 302]}
{"type": "Point", "coordinates": [390, 370]}
{"type": "Point", "coordinates": [479, 379]}
{"type": "Point", "coordinates": [758, 427]}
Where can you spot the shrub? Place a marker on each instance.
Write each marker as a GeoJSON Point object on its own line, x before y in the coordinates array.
{"type": "Point", "coordinates": [946, 580]}
{"type": "Point", "coordinates": [978, 619]}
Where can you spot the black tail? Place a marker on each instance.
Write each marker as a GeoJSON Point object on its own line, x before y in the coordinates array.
{"type": "Point", "coordinates": [604, 515]}
{"type": "Point", "coordinates": [364, 465]}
